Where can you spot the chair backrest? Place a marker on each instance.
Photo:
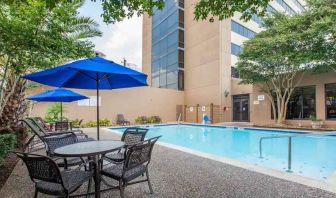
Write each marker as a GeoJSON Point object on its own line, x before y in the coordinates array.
{"type": "Point", "coordinates": [56, 141]}
{"type": "Point", "coordinates": [34, 127]}
{"type": "Point", "coordinates": [41, 167]}
{"type": "Point", "coordinates": [41, 123]}
{"type": "Point", "coordinates": [133, 135]}
{"type": "Point", "coordinates": [120, 117]}
{"type": "Point", "coordinates": [62, 125]}
{"type": "Point", "coordinates": [139, 154]}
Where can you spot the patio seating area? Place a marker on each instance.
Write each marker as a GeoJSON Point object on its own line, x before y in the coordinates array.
{"type": "Point", "coordinates": [177, 174]}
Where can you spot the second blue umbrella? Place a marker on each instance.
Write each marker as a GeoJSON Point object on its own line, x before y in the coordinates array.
{"type": "Point", "coordinates": [58, 95]}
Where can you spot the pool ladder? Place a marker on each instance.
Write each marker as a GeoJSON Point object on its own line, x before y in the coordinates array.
{"type": "Point", "coordinates": [289, 162]}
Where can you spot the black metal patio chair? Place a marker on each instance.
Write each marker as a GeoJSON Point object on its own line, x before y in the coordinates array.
{"type": "Point", "coordinates": [40, 123]}
{"type": "Point", "coordinates": [53, 141]}
{"type": "Point", "coordinates": [131, 136]}
{"type": "Point", "coordinates": [135, 165]}
{"type": "Point", "coordinates": [121, 120]}
{"type": "Point", "coordinates": [49, 179]}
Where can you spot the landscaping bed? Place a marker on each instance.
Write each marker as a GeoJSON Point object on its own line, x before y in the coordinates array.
{"type": "Point", "coordinates": [10, 140]}
{"type": "Point", "coordinates": [7, 168]}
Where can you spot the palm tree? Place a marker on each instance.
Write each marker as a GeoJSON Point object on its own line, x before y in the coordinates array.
{"type": "Point", "coordinates": [49, 36]}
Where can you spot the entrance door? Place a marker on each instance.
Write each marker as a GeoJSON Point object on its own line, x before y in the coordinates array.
{"type": "Point", "coordinates": [240, 107]}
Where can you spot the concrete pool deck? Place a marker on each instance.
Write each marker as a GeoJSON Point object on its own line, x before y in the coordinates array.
{"type": "Point", "coordinates": [179, 174]}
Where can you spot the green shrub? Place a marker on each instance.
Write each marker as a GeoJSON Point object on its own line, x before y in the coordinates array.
{"type": "Point", "coordinates": [75, 123]}
{"type": "Point", "coordinates": [154, 119]}
{"type": "Point", "coordinates": [54, 113]}
{"type": "Point", "coordinates": [102, 122]}
{"type": "Point", "coordinates": [7, 144]}
{"type": "Point", "coordinates": [141, 120]}
{"type": "Point", "coordinates": [147, 120]}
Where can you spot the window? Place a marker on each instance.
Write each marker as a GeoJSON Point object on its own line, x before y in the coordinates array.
{"type": "Point", "coordinates": [181, 80]}
{"type": "Point", "coordinates": [155, 82]}
{"type": "Point", "coordinates": [257, 19]}
{"type": "Point", "coordinates": [330, 97]}
{"type": "Point", "coordinates": [234, 72]}
{"type": "Point", "coordinates": [235, 49]}
{"type": "Point", "coordinates": [302, 103]}
{"type": "Point", "coordinates": [286, 6]}
{"type": "Point", "coordinates": [239, 29]}
{"type": "Point", "coordinates": [299, 5]}
{"type": "Point", "coordinates": [168, 45]}
{"type": "Point", "coordinates": [270, 9]}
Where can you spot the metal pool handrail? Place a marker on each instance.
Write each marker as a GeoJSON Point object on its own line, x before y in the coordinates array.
{"type": "Point", "coordinates": [289, 165]}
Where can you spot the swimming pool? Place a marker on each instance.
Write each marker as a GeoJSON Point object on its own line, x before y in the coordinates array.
{"type": "Point", "coordinates": [312, 156]}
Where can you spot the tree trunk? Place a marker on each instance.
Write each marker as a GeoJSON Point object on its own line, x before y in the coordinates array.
{"type": "Point", "coordinates": [15, 107]}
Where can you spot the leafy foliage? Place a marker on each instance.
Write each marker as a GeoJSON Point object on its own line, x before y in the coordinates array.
{"type": "Point", "coordinates": [102, 122]}
{"type": "Point", "coordinates": [207, 9]}
{"type": "Point", "coordinates": [7, 144]}
{"type": "Point", "coordinates": [54, 113]}
{"type": "Point", "coordinates": [37, 34]}
{"type": "Point", "coordinates": [117, 10]}
{"type": "Point", "coordinates": [276, 59]}
{"type": "Point", "coordinates": [148, 120]}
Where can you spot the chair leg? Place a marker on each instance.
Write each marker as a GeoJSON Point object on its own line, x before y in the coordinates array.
{"type": "Point", "coordinates": [149, 183]}
{"type": "Point", "coordinates": [35, 194]}
{"type": "Point", "coordinates": [89, 187]}
{"type": "Point", "coordinates": [121, 187]}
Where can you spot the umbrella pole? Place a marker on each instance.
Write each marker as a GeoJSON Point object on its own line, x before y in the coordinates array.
{"type": "Point", "coordinates": [61, 111]}
{"type": "Point", "coordinates": [97, 81]}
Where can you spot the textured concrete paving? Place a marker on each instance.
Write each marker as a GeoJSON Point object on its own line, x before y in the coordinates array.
{"type": "Point", "coordinates": [178, 174]}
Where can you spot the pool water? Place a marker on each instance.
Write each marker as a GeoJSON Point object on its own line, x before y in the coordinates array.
{"type": "Point", "coordinates": [312, 156]}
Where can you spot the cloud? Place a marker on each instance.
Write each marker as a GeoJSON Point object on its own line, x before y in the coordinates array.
{"type": "Point", "coordinates": [124, 41]}
{"type": "Point", "coordinates": [120, 40]}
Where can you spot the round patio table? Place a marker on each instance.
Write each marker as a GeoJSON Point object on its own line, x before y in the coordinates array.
{"type": "Point", "coordinates": [92, 149]}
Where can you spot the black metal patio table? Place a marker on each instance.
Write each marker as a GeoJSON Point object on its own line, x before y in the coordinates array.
{"type": "Point", "coordinates": [91, 149]}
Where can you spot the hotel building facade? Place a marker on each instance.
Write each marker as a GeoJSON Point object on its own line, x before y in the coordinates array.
{"type": "Point", "coordinates": [191, 72]}
{"type": "Point", "coordinates": [198, 58]}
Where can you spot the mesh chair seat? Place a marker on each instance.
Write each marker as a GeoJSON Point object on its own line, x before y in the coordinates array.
{"type": "Point", "coordinates": [130, 137]}
{"type": "Point", "coordinates": [116, 171]}
{"type": "Point", "coordinates": [116, 156]}
{"type": "Point", "coordinates": [72, 179]}
{"type": "Point", "coordinates": [71, 161]}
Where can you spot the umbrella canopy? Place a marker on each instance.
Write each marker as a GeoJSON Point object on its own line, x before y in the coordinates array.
{"type": "Point", "coordinates": [57, 95]}
{"type": "Point", "coordinates": [91, 73]}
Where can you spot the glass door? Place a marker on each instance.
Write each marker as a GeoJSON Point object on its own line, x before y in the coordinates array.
{"type": "Point", "coordinates": [240, 106]}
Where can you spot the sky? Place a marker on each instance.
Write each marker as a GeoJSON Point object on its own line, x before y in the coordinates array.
{"type": "Point", "coordinates": [120, 40]}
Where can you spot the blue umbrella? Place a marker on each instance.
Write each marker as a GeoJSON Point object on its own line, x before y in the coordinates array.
{"type": "Point", "coordinates": [57, 95]}
{"type": "Point", "coordinates": [91, 73]}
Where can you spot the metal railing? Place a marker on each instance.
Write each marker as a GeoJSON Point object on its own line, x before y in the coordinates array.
{"type": "Point", "coordinates": [290, 136]}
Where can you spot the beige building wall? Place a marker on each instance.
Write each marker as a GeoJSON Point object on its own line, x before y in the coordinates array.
{"type": "Point", "coordinates": [225, 71]}
{"type": "Point", "coordinates": [132, 102]}
{"type": "Point", "coordinates": [202, 59]}
{"type": "Point", "coordinates": [147, 47]}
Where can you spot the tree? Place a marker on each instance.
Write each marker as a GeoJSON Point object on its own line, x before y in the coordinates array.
{"type": "Point", "coordinates": [226, 9]}
{"type": "Point", "coordinates": [34, 36]}
{"type": "Point", "coordinates": [276, 59]}
{"type": "Point", "coordinates": [115, 11]}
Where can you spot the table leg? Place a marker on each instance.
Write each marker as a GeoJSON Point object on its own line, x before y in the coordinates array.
{"type": "Point", "coordinates": [97, 176]}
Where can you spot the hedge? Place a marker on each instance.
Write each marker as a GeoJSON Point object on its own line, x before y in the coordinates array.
{"type": "Point", "coordinates": [7, 144]}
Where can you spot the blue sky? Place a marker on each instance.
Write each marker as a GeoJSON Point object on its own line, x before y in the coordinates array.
{"type": "Point", "coordinates": [120, 40]}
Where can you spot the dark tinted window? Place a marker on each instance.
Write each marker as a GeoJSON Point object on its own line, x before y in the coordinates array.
{"type": "Point", "coordinates": [234, 72]}
{"type": "Point", "coordinates": [302, 103]}
{"type": "Point", "coordinates": [168, 45]}
{"type": "Point", "coordinates": [330, 97]}
{"type": "Point", "coordinates": [242, 30]}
